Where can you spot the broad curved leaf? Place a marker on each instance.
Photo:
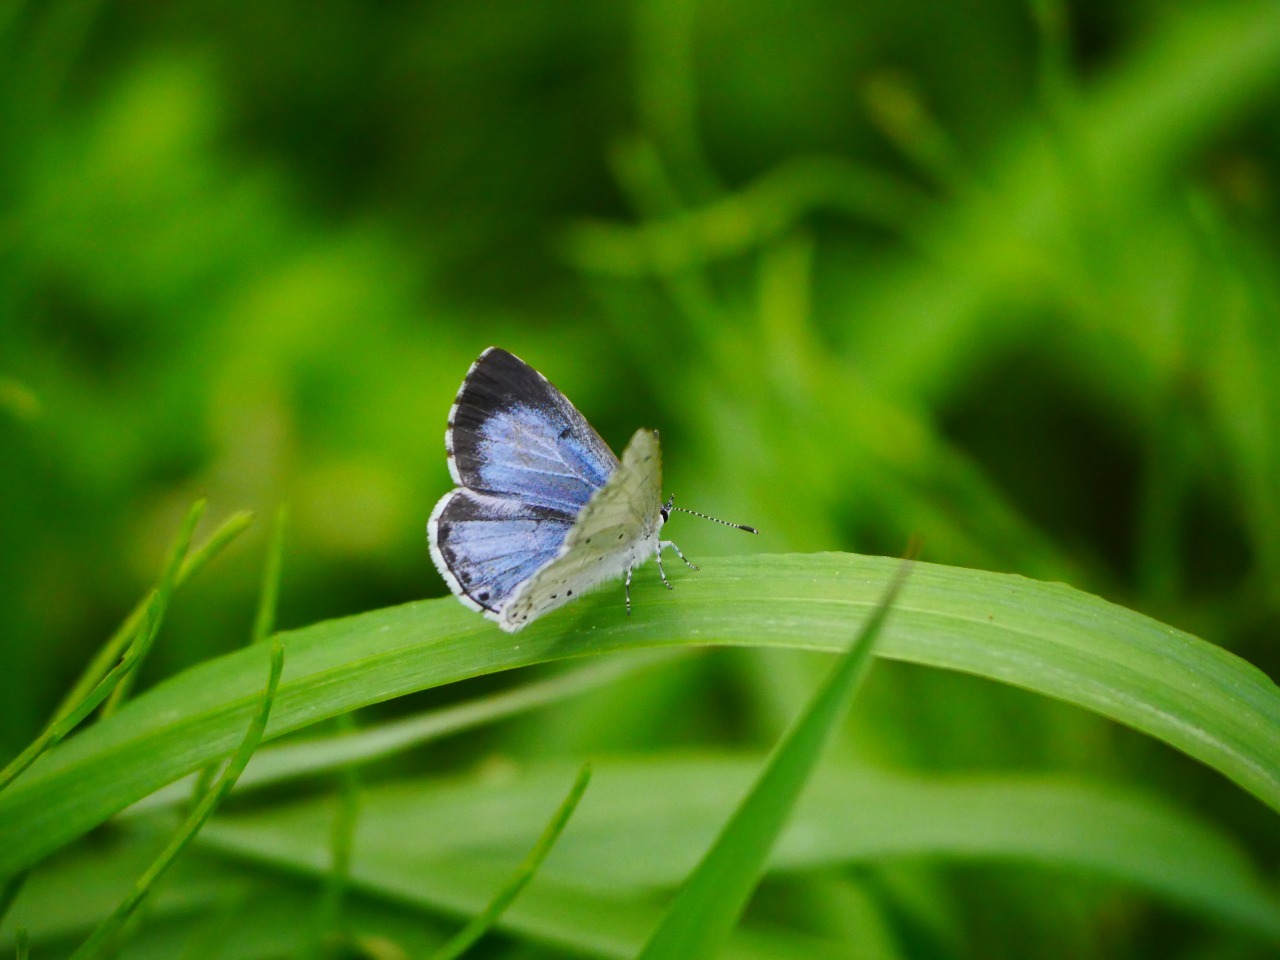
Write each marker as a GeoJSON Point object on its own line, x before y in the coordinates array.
{"type": "Point", "coordinates": [1045, 637]}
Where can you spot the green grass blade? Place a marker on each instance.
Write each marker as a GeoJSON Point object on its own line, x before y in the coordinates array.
{"type": "Point", "coordinates": [55, 732]}
{"type": "Point", "coordinates": [715, 894]}
{"type": "Point", "coordinates": [577, 923]}
{"type": "Point", "coordinates": [342, 838]}
{"type": "Point", "coordinates": [445, 844]}
{"type": "Point", "coordinates": [24, 944]}
{"type": "Point", "coordinates": [194, 562]}
{"type": "Point", "coordinates": [157, 607]}
{"type": "Point", "coordinates": [110, 686]}
{"type": "Point", "coordinates": [264, 621]}
{"type": "Point", "coordinates": [1044, 637]}
{"type": "Point", "coordinates": [263, 626]}
{"type": "Point", "coordinates": [482, 922]}
{"type": "Point", "coordinates": [107, 931]}
{"type": "Point", "coordinates": [273, 765]}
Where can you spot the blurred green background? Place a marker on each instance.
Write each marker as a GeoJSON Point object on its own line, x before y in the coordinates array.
{"type": "Point", "coordinates": [1000, 274]}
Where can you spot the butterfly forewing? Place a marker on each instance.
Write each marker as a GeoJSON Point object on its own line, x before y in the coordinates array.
{"type": "Point", "coordinates": [615, 530]}
{"type": "Point", "coordinates": [512, 434]}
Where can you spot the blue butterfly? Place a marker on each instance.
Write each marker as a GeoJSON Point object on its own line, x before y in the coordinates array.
{"type": "Point", "coordinates": [543, 511]}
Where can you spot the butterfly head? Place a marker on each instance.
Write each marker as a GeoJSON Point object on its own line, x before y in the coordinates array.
{"type": "Point", "coordinates": [665, 510]}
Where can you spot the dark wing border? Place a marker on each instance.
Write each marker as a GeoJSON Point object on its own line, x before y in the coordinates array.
{"type": "Point", "coordinates": [498, 381]}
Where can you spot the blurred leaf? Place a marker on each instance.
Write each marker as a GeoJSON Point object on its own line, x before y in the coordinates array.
{"type": "Point", "coordinates": [922, 319]}
{"type": "Point", "coordinates": [296, 759]}
{"type": "Point", "coordinates": [647, 822]}
{"type": "Point", "coordinates": [204, 902]}
{"type": "Point", "coordinates": [742, 222]}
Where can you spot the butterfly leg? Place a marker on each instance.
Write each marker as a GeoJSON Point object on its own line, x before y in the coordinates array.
{"type": "Point", "coordinates": [667, 543]}
{"type": "Point", "coordinates": [657, 554]}
{"type": "Point", "coordinates": [629, 569]}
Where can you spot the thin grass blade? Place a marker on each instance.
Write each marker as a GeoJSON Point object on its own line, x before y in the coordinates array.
{"type": "Point", "coordinates": [263, 626]}
{"type": "Point", "coordinates": [109, 686]}
{"type": "Point", "coordinates": [264, 621]}
{"type": "Point", "coordinates": [273, 765]}
{"type": "Point", "coordinates": [158, 606]}
{"type": "Point", "coordinates": [107, 931]}
{"type": "Point", "coordinates": [194, 562]}
{"type": "Point", "coordinates": [481, 923]}
{"type": "Point", "coordinates": [713, 897]}
{"type": "Point", "coordinates": [342, 839]}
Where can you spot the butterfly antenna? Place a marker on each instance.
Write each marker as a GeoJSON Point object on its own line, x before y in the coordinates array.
{"type": "Point", "coordinates": [736, 526]}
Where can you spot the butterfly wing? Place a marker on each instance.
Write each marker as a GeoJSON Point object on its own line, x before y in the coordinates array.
{"type": "Point", "coordinates": [486, 546]}
{"type": "Point", "coordinates": [526, 462]}
{"type": "Point", "coordinates": [617, 529]}
{"type": "Point", "coordinates": [512, 434]}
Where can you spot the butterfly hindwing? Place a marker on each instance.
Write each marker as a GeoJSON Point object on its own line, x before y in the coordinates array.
{"type": "Point", "coordinates": [512, 434]}
{"type": "Point", "coordinates": [486, 547]}
{"type": "Point", "coordinates": [617, 529]}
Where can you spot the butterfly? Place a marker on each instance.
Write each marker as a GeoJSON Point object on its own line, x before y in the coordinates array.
{"type": "Point", "coordinates": [543, 511]}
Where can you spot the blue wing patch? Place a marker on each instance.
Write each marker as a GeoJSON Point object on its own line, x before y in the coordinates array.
{"type": "Point", "coordinates": [512, 434]}
{"type": "Point", "coordinates": [485, 546]}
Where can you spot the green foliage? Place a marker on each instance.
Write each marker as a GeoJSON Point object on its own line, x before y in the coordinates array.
{"type": "Point", "coordinates": [1000, 275]}
{"type": "Point", "coordinates": [101, 941]}
{"type": "Point", "coordinates": [715, 893]}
